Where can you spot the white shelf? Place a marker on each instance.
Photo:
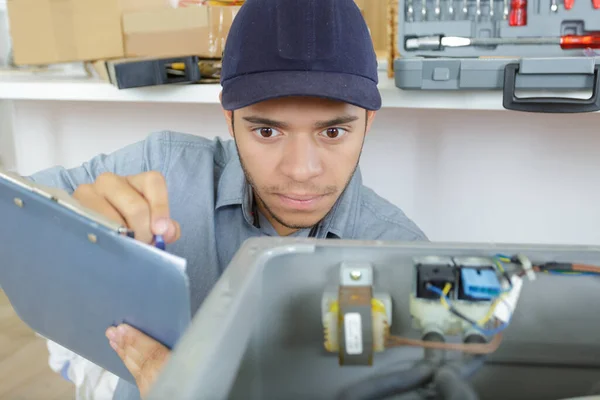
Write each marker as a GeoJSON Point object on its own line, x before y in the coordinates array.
{"type": "Point", "coordinates": [57, 88]}
{"type": "Point", "coordinates": [92, 89]}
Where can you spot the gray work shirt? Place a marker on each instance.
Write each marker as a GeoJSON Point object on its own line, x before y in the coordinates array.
{"type": "Point", "coordinates": [209, 197]}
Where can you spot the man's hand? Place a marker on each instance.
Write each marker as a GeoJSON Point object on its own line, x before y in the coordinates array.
{"type": "Point", "coordinates": [143, 356]}
{"type": "Point", "coordinates": [139, 202]}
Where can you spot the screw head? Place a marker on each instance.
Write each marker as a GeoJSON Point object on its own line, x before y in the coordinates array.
{"type": "Point", "coordinates": [92, 238]}
{"type": "Point", "coordinates": [18, 202]}
{"type": "Point", "coordinates": [355, 275]}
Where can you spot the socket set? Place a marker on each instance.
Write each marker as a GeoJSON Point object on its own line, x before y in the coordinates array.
{"type": "Point", "coordinates": [502, 44]}
{"type": "Point", "coordinates": [514, 11]}
{"type": "Point", "coordinates": [444, 10]}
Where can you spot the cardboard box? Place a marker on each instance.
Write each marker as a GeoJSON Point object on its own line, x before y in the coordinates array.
{"type": "Point", "coordinates": [173, 32]}
{"type": "Point", "coordinates": [375, 13]}
{"type": "Point", "coordinates": [55, 31]}
{"type": "Point", "coordinates": [139, 5]}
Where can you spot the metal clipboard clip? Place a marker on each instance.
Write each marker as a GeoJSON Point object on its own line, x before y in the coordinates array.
{"type": "Point", "coordinates": [63, 199]}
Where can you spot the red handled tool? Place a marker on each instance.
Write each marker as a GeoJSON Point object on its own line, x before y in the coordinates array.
{"type": "Point", "coordinates": [567, 42]}
{"type": "Point", "coordinates": [569, 4]}
{"type": "Point", "coordinates": [596, 4]}
{"type": "Point", "coordinates": [518, 13]}
{"type": "Point", "coordinates": [591, 41]}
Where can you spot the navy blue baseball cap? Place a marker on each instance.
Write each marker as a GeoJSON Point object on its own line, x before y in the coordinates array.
{"type": "Point", "coordinates": [317, 48]}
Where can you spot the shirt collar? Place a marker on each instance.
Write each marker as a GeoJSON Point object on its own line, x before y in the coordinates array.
{"type": "Point", "coordinates": [340, 222]}
{"type": "Point", "coordinates": [233, 189]}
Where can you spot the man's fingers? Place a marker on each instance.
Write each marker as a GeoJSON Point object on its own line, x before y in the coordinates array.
{"type": "Point", "coordinates": [143, 356]}
{"type": "Point", "coordinates": [177, 234]}
{"type": "Point", "coordinates": [141, 202]}
{"type": "Point", "coordinates": [86, 195]}
{"type": "Point", "coordinates": [153, 187]}
{"type": "Point", "coordinates": [128, 202]}
{"type": "Point", "coordinates": [140, 344]}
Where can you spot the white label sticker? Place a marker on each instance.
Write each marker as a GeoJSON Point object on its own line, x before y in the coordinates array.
{"type": "Point", "coordinates": [507, 306]}
{"type": "Point", "coordinates": [353, 333]}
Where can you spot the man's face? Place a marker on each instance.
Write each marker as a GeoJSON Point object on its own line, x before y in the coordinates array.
{"type": "Point", "coordinates": [299, 154]}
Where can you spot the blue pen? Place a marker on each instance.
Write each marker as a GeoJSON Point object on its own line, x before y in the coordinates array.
{"type": "Point", "coordinates": [159, 242]}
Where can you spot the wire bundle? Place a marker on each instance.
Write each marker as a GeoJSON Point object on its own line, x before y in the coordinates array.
{"type": "Point", "coordinates": [557, 268]}
{"type": "Point", "coordinates": [567, 269]}
{"type": "Point", "coordinates": [476, 324]}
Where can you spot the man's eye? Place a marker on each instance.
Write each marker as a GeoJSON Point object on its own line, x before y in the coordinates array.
{"type": "Point", "coordinates": [334, 133]}
{"type": "Point", "coordinates": [266, 133]}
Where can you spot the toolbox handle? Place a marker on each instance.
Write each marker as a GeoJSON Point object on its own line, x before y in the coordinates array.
{"type": "Point", "coordinates": [547, 104]}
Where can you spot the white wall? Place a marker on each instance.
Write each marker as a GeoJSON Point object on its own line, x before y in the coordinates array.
{"type": "Point", "coordinates": [7, 150]}
{"type": "Point", "coordinates": [461, 175]}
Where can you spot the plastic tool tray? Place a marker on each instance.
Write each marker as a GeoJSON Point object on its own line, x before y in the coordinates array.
{"type": "Point", "coordinates": [428, 29]}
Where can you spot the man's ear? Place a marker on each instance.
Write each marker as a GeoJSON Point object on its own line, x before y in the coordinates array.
{"type": "Point", "coordinates": [370, 119]}
{"type": "Point", "coordinates": [228, 116]}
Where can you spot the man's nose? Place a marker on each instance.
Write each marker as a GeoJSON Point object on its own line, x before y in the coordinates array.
{"type": "Point", "coordinates": [301, 161]}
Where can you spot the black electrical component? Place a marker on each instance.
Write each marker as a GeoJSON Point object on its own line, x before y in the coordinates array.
{"type": "Point", "coordinates": [437, 274]}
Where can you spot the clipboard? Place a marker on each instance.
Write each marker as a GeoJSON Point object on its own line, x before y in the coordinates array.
{"type": "Point", "coordinates": [69, 273]}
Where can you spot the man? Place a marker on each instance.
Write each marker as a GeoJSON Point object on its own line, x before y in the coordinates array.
{"type": "Point", "coordinates": [299, 95]}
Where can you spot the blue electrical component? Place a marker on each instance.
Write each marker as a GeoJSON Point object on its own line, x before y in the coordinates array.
{"type": "Point", "coordinates": [480, 283]}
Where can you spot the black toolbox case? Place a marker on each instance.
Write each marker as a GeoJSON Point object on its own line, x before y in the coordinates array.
{"type": "Point", "coordinates": [506, 67]}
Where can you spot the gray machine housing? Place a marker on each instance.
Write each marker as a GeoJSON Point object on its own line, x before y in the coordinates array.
{"type": "Point", "coordinates": [259, 333]}
{"type": "Point", "coordinates": [539, 67]}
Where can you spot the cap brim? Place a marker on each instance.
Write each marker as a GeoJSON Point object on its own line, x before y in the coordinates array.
{"type": "Point", "coordinates": [245, 90]}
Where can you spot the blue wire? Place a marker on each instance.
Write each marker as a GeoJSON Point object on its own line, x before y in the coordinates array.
{"type": "Point", "coordinates": [489, 332]}
{"type": "Point", "coordinates": [572, 274]}
{"type": "Point", "coordinates": [492, 332]}
{"type": "Point", "coordinates": [438, 291]}
{"type": "Point", "coordinates": [503, 256]}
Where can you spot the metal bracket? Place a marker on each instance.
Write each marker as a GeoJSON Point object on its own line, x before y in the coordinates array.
{"type": "Point", "coordinates": [356, 274]}
{"type": "Point", "coordinates": [355, 314]}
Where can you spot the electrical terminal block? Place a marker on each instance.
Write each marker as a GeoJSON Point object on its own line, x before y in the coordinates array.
{"type": "Point", "coordinates": [381, 320]}
{"type": "Point", "coordinates": [478, 279]}
{"type": "Point", "coordinates": [473, 285]}
{"type": "Point", "coordinates": [434, 271]}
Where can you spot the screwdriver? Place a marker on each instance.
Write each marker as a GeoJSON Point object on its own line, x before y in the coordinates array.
{"type": "Point", "coordinates": [518, 13]}
{"type": "Point", "coordinates": [596, 4]}
{"type": "Point", "coordinates": [438, 42]}
{"type": "Point", "coordinates": [569, 4]}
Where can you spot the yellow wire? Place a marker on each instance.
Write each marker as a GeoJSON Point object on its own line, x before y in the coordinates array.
{"type": "Point", "coordinates": [446, 290]}
{"type": "Point", "coordinates": [491, 311]}
{"type": "Point", "coordinates": [499, 265]}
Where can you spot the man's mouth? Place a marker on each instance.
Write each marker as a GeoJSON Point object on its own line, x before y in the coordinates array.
{"type": "Point", "coordinates": [300, 201]}
{"type": "Point", "coordinates": [301, 197]}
